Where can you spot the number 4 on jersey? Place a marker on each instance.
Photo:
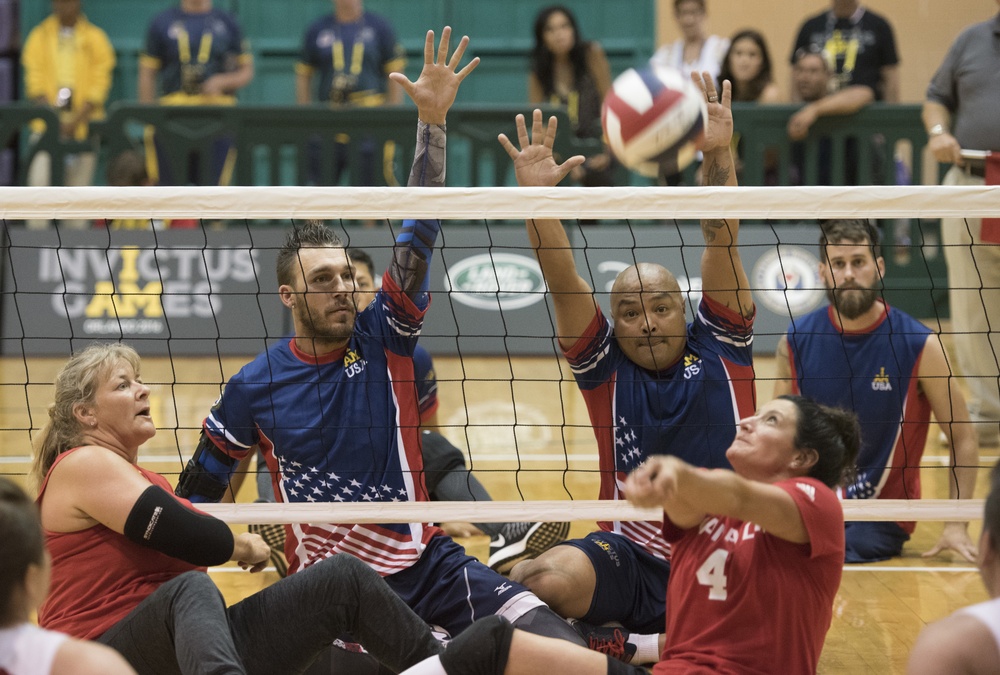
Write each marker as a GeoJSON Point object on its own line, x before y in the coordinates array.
{"type": "Point", "coordinates": [712, 573]}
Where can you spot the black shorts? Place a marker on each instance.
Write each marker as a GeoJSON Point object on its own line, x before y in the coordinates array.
{"type": "Point", "coordinates": [631, 583]}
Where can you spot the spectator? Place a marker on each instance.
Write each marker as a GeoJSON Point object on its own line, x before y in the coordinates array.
{"type": "Point", "coordinates": [25, 572]}
{"type": "Point", "coordinates": [890, 369]}
{"type": "Point", "coordinates": [67, 66]}
{"type": "Point", "coordinates": [569, 71]}
{"type": "Point", "coordinates": [968, 641]}
{"type": "Point", "coordinates": [200, 57]}
{"type": "Point", "coordinates": [694, 52]}
{"type": "Point", "coordinates": [353, 51]}
{"type": "Point", "coordinates": [747, 66]}
{"type": "Point", "coordinates": [811, 79]}
{"type": "Point", "coordinates": [960, 114]}
{"type": "Point", "coordinates": [859, 46]}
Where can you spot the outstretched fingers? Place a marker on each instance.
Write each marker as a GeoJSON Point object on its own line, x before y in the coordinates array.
{"type": "Point", "coordinates": [429, 47]}
{"type": "Point", "coordinates": [442, 56]}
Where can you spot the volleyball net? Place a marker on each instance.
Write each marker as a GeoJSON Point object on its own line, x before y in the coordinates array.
{"type": "Point", "coordinates": [199, 301]}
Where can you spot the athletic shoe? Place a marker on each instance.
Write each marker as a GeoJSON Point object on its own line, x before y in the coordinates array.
{"type": "Point", "coordinates": [610, 640]}
{"type": "Point", "coordinates": [518, 541]}
{"type": "Point", "coordinates": [273, 536]}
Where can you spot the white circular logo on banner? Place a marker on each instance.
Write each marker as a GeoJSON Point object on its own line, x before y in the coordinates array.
{"type": "Point", "coordinates": [786, 281]}
{"type": "Point", "coordinates": [496, 282]}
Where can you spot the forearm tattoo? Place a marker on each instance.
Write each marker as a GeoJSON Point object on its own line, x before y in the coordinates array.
{"type": "Point", "coordinates": [429, 157]}
{"type": "Point", "coordinates": [717, 174]}
{"type": "Point", "coordinates": [710, 228]}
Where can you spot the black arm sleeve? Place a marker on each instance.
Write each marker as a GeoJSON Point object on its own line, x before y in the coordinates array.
{"type": "Point", "coordinates": [162, 523]}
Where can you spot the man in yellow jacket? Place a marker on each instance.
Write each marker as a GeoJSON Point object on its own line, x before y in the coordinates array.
{"type": "Point", "coordinates": [67, 65]}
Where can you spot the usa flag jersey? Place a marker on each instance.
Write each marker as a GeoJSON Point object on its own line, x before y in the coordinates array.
{"type": "Point", "coordinates": [690, 410]}
{"type": "Point", "coordinates": [873, 373]}
{"type": "Point", "coordinates": [342, 427]}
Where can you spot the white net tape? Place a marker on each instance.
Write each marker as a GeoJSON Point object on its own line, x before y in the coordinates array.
{"type": "Point", "coordinates": [442, 512]}
{"type": "Point", "coordinates": [497, 203]}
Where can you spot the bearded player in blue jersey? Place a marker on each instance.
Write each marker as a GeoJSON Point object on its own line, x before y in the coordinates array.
{"type": "Point", "coordinates": [652, 384]}
{"type": "Point", "coordinates": [335, 411]}
{"type": "Point", "coordinates": [861, 354]}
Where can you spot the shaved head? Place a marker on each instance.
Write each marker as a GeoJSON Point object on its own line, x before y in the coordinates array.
{"type": "Point", "coordinates": [648, 310]}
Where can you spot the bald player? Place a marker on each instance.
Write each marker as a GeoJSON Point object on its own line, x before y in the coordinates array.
{"type": "Point", "coordinates": [653, 384]}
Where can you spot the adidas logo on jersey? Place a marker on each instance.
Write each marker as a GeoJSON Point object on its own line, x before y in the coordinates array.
{"type": "Point", "coordinates": [881, 381]}
{"type": "Point", "coordinates": [810, 490]}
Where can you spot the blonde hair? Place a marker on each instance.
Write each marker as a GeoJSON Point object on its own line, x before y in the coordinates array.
{"type": "Point", "coordinates": [76, 383]}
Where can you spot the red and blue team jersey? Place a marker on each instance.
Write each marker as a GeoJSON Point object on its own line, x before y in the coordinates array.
{"type": "Point", "coordinates": [426, 379]}
{"type": "Point", "coordinates": [343, 427]}
{"type": "Point", "coordinates": [873, 373]}
{"type": "Point", "coordinates": [743, 601]}
{"type": "Point", "coordinates": [690, 410]}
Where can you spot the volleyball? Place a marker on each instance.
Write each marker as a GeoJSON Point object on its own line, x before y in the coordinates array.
{"type": "Point", "coordinates": [654, 120]}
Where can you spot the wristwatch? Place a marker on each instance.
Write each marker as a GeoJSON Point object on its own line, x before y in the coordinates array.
{"type": "Point", "coordinates": [936, 130]}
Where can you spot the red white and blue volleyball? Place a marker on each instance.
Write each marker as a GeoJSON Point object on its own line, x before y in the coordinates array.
{"type": "Point", "coordinates": [654, 120]}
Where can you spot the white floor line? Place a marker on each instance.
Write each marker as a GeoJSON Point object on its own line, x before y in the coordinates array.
{"type": "Point", "coordinates": [865, 568]}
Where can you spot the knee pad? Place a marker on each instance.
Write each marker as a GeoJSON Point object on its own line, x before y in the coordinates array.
{"type": "Point", "coordinates": [481, 649]}
{"type": "Point", "coordinates": [543, 621]}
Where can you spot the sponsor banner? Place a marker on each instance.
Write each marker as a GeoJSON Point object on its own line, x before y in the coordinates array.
{"type": "Point", "coordinates": [213, 292]}
{"type": "Point", "coordinates": [182, 292]}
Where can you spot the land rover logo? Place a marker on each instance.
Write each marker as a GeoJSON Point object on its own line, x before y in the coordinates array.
{"type": "Point", "coordinates": [786, 281]}
{"type": "Point", "coordinates": [496, 281]}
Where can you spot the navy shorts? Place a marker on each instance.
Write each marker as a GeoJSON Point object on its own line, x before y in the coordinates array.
{"type": "Point", "coordinates": [451, 589]}
{"type": "Point", "coordinates": [631, 583]}
{"type": "Point", "coordinates": [872, 541]}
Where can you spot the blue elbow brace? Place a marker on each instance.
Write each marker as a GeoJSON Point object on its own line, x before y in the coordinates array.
{"type": "Point", "coordinates": [207, 474]}
{"type": "Point", "coordinates": [420, 235]}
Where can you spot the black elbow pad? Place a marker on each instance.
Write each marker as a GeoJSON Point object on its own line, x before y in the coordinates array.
{"type": "Point", "coordinates": [159, 521]}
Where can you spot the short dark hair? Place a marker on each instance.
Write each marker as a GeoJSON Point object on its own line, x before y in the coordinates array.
{"type": "Point", "coordinates": [811, 49]}
{"type": "Point", "coordinates": [314, 234]}
{"type": "Point", "coordinates": [358, 255]}
{"type": "Point", "coordinates": [127, 168]}
{"type": "Point", "coordinates": [23, 543]}
{"type": "Point", "coordinates": [677, 4]}
{"type": "Point", "coordinates": [835, 435]}
{"type": "Point", "coordinates": [856, 231]}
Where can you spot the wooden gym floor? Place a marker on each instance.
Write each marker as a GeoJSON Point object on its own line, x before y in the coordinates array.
{"type": "Point", "coordinates": [517, 414]}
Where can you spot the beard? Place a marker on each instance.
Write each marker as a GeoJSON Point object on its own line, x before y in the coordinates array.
{"type": "Point", "coordinates": [320, 327]}
{"type": "Point", "coordinates": [852, 301]}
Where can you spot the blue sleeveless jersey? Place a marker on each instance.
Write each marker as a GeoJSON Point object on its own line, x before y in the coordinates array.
{"type": "Point", "coordinates": [343, 427]}
{"type": "Point", "coordinates": [873, 373]}
{"type": "Point", "coordinates": [690, 410]}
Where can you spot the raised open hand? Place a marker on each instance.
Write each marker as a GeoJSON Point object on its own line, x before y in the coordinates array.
{"type": "Point", "coordinates": [534, 164]}
{"type": "Point", "coordinates": [435, 90]}
{"type": "Point", "coordinates": [719, 126]}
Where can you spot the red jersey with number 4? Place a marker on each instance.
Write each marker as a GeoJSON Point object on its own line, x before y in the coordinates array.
{"type": "Point", "coordinates": [743, 601]}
